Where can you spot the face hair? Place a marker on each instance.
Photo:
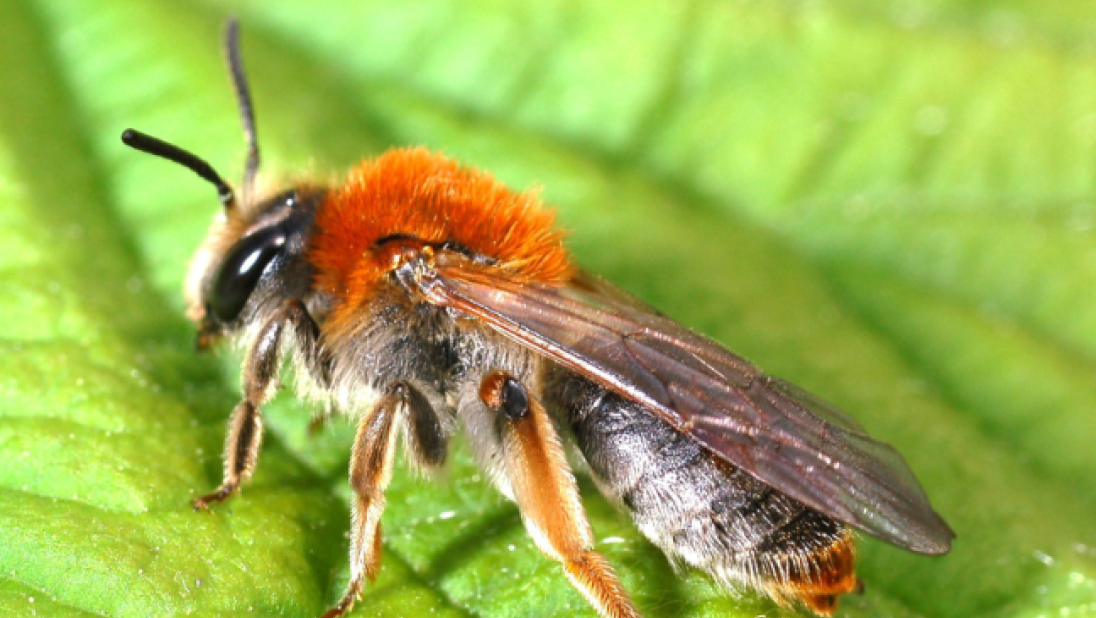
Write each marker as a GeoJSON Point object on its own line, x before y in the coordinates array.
{"type": "Point", "coordinates": [153, 146]}
{"type": "Point", "coordinates": [243, 101]}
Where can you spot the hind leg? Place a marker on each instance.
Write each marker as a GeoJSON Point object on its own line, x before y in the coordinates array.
{"type": "Point", "coordinates": [545, 491]}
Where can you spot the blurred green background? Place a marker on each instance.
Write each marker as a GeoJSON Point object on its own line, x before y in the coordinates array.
{"type": "Point", "coordinates": [890, 203]}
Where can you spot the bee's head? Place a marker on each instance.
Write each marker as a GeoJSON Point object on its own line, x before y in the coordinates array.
{"type": "Point", "coordinates": [248, 246]}
{"type": "Point", "coordinates": [250, 241]}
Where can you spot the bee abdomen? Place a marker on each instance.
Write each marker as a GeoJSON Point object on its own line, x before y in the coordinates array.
{"type": "Point", "coordinates": [702, 511]}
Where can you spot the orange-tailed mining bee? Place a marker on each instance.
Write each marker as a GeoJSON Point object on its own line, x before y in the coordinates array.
{"type": "Point", "coordinates": [421, 297]}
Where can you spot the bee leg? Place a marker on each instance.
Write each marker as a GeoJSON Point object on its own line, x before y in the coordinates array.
{"type": "Point", "coordinates": [316, 362]}
{"type": "Point", "coordinates": [547, 495]}
{"type": "Point", "coordinates": [371, 465]}
{"type": "Point", "coordinates": [245, 427]}
{"type": "Point", "coordinates": [307, 333]}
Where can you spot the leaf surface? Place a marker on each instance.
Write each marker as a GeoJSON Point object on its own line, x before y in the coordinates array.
{"type": "Point", "coordinates": [891, 205]}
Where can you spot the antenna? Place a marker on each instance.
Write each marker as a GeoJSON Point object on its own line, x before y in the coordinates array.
{"type": "Point", "coordinates": [243, 101]}
{"type": "Point", "coordinates": [153, 146]}
{"type": "Point", "coordinates": [146, 143]}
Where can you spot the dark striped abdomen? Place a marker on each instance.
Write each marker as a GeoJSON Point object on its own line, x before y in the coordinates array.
{"type": "Point", "coordinates": [700, 510]}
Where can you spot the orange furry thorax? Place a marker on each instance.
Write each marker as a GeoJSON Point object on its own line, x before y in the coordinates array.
{"type": "Point", "coordinates": [413, 193]}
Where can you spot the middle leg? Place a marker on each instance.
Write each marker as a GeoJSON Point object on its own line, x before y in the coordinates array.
{"type": "Point", "coordinates": [371, 465]}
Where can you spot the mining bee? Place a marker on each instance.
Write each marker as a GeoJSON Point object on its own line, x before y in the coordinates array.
{"type": "Point", "coordinates": [421, 297]}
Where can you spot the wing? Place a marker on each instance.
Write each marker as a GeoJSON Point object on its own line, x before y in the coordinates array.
{"type": "Point", "coordinates": [777, 432]}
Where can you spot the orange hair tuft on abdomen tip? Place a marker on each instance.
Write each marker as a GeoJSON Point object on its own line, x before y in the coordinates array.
{"type": "Point", "coordinates": [419, 194]}
{"type": "Point", "coordinates": [818, 578]}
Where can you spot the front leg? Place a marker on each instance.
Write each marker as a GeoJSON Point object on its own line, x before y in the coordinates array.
{"type": "Point", "coordinates": [245, 427]}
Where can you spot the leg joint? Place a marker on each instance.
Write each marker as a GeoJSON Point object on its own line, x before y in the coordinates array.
{"type": "Point", "coordinates": [504, 394]}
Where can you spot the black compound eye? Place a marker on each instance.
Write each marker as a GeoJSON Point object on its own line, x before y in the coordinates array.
{"type": "Point", "coordinates": [241, 270]}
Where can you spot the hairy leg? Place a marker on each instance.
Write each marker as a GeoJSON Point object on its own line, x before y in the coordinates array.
{"type": "Point", "coordinates": [245, 427]}
{"type": "Point", "coordinates": [371, 464]}
{"type": "Point", "coordinates": [546, 493]}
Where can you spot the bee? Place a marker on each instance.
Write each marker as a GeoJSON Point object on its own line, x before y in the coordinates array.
{"type": "Point", "coordinates": [420, 297]}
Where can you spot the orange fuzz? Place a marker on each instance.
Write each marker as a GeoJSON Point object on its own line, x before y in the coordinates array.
{"type": "Point", "coordinates": [432, 199]}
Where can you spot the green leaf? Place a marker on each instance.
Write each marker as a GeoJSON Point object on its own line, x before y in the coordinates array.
{"type": "Point", "coordinates": [891, 204]}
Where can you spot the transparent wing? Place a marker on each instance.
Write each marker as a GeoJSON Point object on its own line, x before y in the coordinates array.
{"type": "Point", "coordinates": [777, 432]}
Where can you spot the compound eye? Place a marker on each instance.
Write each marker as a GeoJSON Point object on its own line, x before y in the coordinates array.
{"type": "Point", "coordinates": [241, 270]}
